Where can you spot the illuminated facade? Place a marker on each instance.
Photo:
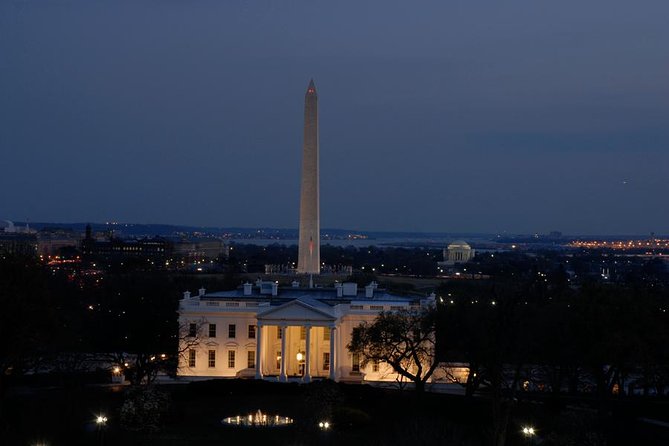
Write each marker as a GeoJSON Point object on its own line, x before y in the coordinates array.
{"type": "Point", "coordinates": [263, 331]}
{"type": "Point", "coordinates": [457, 252]}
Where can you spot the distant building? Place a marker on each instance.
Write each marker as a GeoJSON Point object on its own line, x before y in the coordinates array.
{"type": "Point", "coordinates": [156, 248]}
{"type": "Point", "coordinates": [53, 241]}
{"type": "Point", "coordinates": [263, 330]}
{"type": "Point", "coordinates": [18, 243]}
{"type": "Point", "coordinates": [457, 252]}
{"type": "Point", "coordinates": [200, 249]}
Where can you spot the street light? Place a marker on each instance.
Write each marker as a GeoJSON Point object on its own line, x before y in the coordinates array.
{"type": "Point", "coordinates": [529, 433]}
{"type": "Point", "coordinates": [324, 425]}
{"type": "Point", "coordinates": [101, 421]}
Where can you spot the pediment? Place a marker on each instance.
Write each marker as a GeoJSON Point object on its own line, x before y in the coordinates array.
{"type": "Point", "coordinates": [296, 310]}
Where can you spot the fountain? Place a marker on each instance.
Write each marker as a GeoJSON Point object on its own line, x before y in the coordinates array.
{"type": "Point", "coordinates": [257, 419]}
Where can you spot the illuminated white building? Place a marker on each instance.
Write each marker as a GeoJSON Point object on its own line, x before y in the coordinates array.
{"type": "Point", "coordinates": [264, 331]}
{"type": "Point", "coordinates": [457, 252]}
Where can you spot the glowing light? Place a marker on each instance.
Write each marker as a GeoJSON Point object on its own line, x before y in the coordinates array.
{"type": "Point", "coordinates": [257, 419]}
{"type": "Point", "coordinates": [101, 420]}
{"type": "Point", "coordinates": [528, 431]}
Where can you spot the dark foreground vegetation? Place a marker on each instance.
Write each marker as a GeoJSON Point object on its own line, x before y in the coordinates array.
{"type": "Point", "coordinates": [358, 414]}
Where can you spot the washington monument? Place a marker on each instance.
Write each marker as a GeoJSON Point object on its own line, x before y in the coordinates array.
{"type": "Point", "coordinates": [309, 252]}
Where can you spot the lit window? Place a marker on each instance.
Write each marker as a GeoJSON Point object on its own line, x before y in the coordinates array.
{"type": "Point", "coordinates": [191, 358]}
{"type": "Point", "coordinates": [326, 360]}
{"type": "Point", "coordinates": [252, 331]}
{"type": "Point", "coordinates": [212, 330]}
{"type": "Point", "coordinates": [279, 332]}
{"type": "Point", "coordinates": [375, 366]}
{"type": "Point", "coordinates": [355, 366]}
{"type": "Point", "coordinates": [251, 359]}
{"type": "Point", "coordinates": [326, 333]}
{"type": "Point", "coordinates": [212, 358]}
{"type": "Point", "coordinates": [303, 333]}
{"type": "Point", "coordinates": [231, 359]}
{"type": "Point", "coordinates": [232, 331]}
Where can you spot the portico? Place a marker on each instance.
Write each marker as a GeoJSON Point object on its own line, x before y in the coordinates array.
{"type": "Point", "coordinates": [298, 339]}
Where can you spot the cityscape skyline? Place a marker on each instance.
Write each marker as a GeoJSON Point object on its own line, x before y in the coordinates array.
{"type": "Point", "coordinates": [525, 119]}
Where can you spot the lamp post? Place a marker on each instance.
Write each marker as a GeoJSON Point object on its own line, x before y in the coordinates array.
{"type": "Point", "coordinates": [300, 358]}
{"type": "Point", "coordinates": [101, 422]}
{"type": "Point", "coordinates": [529, 432]}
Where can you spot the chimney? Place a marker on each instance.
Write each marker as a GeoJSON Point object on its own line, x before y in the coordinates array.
{"type": "Point", "coordinates": [201, 291]}
{"type": "Point", "coordinates": [186, 294]}
{"type": "Point", "coordinates": [350, 288]}
{"type": "Point", "coordinates": [248, 288]}
{"type": "Point", "coordinates": [275, 288]}
{"type": "Point", "coordinates": [369, 290]}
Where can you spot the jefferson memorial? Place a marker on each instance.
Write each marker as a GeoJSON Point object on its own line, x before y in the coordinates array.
{"type": "Point", "coordinates": [265, 331]}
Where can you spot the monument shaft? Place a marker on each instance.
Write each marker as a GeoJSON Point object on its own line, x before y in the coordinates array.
{"type": "Point", "coordinates": [309, 250]}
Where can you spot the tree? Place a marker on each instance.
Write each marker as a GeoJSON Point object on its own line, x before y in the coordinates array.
{"type": "Point", "coordinates": [404, 339]}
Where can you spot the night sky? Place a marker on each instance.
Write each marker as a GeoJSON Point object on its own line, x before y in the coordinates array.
{"type": "Point", "coordinates": [515, 116]}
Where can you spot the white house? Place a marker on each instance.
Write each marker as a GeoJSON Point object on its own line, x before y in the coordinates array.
{"type": "Point", "coordinates": [265, 331]}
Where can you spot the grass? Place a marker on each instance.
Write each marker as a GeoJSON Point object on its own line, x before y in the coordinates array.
{"type": "Point", "coordinates": [359, 414]}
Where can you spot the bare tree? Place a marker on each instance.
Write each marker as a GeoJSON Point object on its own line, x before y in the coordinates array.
{"type": "Point", "coordinates": [403, 339]}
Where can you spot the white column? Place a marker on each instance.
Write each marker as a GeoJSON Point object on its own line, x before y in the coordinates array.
{"type": "Point", "coordinates": [332, 353]}
{"type": "Point", "coordinates": [282, 375]}
{"type": "Point", "coordinates": [307, 363]}
{"type": "Point", "coordinates": [259, 350]}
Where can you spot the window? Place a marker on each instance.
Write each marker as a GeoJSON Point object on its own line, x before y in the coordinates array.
{"type": "Point", "coordinates": [232, 330]}
{"type": "Point", "coordinates": [355, 366]}
{"type": "Point", "coordinates": [303, 333]}
{"type": "Point", "coordinates": [278, 359]}
{"type": "Point", "coordinates": [231, 359]}
{"type": "Point", "coordinates": [212, 330]}
{"type": "Point", "coordinates": [191, 358]}
{"type": "Point", "coordinates": [192, 330]}
{"type": "Point", "coordinates": [212, 358]}
{"type": "Point", "coordinates": [251, 359]}
{"type": "Point", "coordinates": [252, 331]}
{"type": "Point", "coordinates": [326, 333]}
{"type": "Point", "coordinates": [375, 366]}
{"type": "Point", "coordinates": [326, 360]}
{"type": "Point", "coordinates": [376, 307]}
{"type": "Point", "coordinates": [279, 332]}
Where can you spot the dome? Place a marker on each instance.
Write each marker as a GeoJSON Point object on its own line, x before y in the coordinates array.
{"type": "Point", "coordinates": [459, 244]}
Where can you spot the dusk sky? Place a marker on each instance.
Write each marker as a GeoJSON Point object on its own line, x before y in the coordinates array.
{"type": "Point", "coordinates": [515, 116]}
